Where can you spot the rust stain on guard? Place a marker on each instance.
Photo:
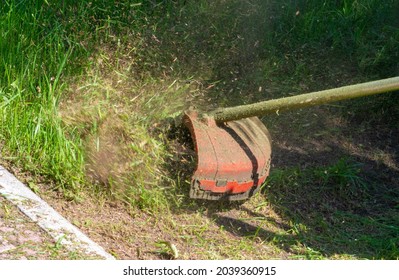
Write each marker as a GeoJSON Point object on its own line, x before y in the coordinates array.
{"type": "Point", "coordinates": [233, 158]}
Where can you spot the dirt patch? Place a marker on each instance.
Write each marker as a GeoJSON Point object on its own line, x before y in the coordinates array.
{"type": "Point", "coordinates": [108, 157]}
{"type": "Point", "coordinates": [210, 234]}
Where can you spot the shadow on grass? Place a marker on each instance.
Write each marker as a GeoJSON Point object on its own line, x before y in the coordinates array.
{"type": "Point", "coordinates": [338, 202]}
{"type": "Point", "coordinates": [344, 209]}
{"type": "Point", "coordinates": [352, 212]}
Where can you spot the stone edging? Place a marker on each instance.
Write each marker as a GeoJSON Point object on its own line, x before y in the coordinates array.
{"type": "Point", "coordinates": [46, 217]}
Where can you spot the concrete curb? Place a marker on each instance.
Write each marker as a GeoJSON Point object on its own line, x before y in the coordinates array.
{"type": "Point", "coordinates": [46, 217]}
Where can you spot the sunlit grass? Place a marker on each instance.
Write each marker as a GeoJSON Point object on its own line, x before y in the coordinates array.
{"type": "Point", "coordinates": [33, 63]}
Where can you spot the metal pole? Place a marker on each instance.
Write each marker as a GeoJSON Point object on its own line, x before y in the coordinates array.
{"type": "Point", "coordinates": [306, 100]}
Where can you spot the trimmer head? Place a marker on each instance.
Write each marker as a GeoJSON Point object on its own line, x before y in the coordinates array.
{"type": "Point", "coordinates": [233, 147]}
{"type": "Point", "coordinates": [233, 158]}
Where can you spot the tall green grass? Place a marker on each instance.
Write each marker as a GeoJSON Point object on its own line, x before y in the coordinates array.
{"type": "Point", "coordinates": [46, 46]}
{"type": "Point", "coordinates": [34, 54]}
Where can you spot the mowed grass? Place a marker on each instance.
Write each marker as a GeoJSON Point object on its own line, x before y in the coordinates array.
{"type": "Point", "coordinates": [337, 211]}
{"type": "Point", "coordinates": [90, 91]}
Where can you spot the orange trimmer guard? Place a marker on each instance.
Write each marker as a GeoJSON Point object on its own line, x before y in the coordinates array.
{"type": "Point", "coordinates": [233, 158]}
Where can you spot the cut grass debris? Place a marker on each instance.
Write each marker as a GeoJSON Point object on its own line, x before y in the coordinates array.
{"type": "Point", "coordinates": [336, 206]}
